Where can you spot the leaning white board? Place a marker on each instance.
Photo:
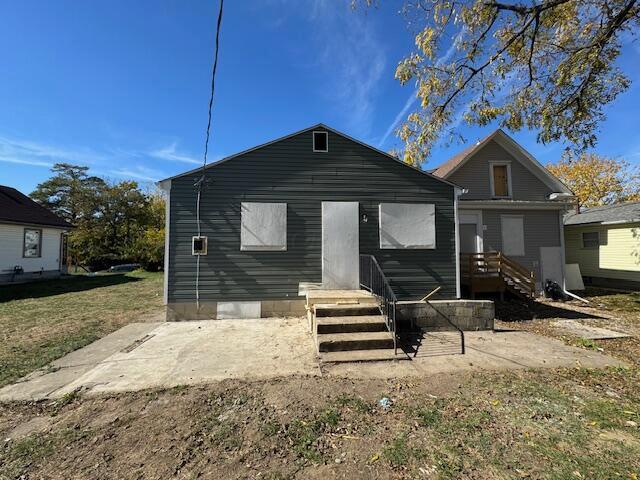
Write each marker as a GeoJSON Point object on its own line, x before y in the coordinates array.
{"type": "Point", "coordinates": [573, 277]}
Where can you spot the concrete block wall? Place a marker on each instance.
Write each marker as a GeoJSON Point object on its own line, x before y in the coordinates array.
{"type": "Point", "coordinates": [468, 315]}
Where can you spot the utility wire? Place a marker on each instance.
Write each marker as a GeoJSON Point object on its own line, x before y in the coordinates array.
{"type": "Point", "coordinates": [201, 181]}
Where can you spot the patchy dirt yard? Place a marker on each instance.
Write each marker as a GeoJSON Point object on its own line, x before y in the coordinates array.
{"type": "Point", "coordinates": [564, 423]}
{"type": "Point", "coordinates": [611, 309]}
{"type": "Point", "coordinates": [569, 423]}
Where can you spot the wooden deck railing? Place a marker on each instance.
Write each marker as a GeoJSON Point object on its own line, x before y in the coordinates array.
{"type": "Point", "coordinates": [478, 267]}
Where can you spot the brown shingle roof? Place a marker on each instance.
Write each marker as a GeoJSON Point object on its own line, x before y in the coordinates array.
{"type": "Point", "coordinates": [16, 207]}
{"type": "Point", "coordinates": [443, 170]}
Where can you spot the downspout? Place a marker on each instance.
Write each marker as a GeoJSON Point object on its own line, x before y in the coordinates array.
{"type": "Point", "coordinates": [166, 188]}
{"type": "Point", "coordinates": [456, 193]}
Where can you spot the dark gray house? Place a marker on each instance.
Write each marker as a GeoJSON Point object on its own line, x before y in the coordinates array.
{"type": "Point", "coordinates": [297, 213]}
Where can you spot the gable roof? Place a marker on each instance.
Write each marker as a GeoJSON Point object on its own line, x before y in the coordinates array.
{"type": "Point", "coordinates": [314, 127]}
{"type": "Point", "coordinates": [16, 207]}
{"type": "Point", "coordinates": [513, 147]}
{"type": "Point", "coordinates": [619, 213]}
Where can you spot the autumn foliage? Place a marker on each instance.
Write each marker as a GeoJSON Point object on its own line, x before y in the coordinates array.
{"type": "Point", "coordinates": [597, 180]}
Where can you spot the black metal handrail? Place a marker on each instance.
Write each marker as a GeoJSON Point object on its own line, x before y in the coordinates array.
{"type": "Point", "coordinates": [372, 278]}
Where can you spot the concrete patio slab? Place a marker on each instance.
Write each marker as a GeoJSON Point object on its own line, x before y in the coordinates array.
{"type": "Point", "coordinates": [588, 331]}
{"type": "Point", "coordinates": [485, 350]}
{"type": "Point", "coordinates": [151, 355]}
{"type": "Point", "coordinates": [176, 353]}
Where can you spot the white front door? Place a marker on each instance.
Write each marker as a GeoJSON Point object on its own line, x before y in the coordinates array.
{"type": "Point", "coordinates": [340, 246]}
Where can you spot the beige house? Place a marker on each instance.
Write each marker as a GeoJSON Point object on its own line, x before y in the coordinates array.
{"type": "Point", "coordinates": [605, 242]}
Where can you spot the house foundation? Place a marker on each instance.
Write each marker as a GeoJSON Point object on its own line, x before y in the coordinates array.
{"type": "Point", "coordinates": [183, 311]}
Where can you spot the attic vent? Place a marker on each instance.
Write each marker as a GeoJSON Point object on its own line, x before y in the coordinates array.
{"type": "Point", "coordinates": [320, 142]}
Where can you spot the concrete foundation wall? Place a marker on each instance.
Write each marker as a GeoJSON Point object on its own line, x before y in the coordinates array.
{"type": "Point", "coordinates": [468, 315]}
{"type": "Point", "coordinates": [183, 311]}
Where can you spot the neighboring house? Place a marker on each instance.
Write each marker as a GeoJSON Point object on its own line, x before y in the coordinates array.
{"type": "Point", "coordinates": [31, 238]}
{"type": "Point", "coordinates": [605, 242]}
{"type": "Point", "coordinates": [297, 213]}
{"type": "Point", "coordinates": [512, 205]}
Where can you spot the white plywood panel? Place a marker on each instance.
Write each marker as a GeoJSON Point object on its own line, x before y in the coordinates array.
{"type": "Point", "coordinates": [340, 245]}
{"type": "Point", "coordinates": [551, 264]}
{"type": "Point", "coordinates": [264, 226]}
{"type": "Point", "coordinates": [573, 277]}
{"type": "Point", "coordinates": [512, 235]}
{"type": "Point", "coordinates": [238, 310]}
{"type": "Point", "coordinates": [407, 225]}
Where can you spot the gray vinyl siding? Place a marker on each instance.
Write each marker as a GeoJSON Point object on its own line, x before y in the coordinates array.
{"type": "Point", "coordinates": [474, 175]}
{"type": "Point", "coordinates": [541, 229]}
{"type": "Point", "coordinates": [288, 171]}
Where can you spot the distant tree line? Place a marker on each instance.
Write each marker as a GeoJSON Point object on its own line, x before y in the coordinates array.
{"type": "Point", "coordinates": [114, 222]}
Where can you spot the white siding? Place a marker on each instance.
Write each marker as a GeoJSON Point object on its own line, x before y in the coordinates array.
{"type": "Point", "coordinates": [11, 244]}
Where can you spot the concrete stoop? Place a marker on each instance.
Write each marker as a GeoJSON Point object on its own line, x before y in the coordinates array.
{"type": "Point", "coordinates": [349, 327]}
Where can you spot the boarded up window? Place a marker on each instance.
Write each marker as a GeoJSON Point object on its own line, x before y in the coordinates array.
{"type": "Point", "coordinates": [264, 226]}
{"type": "Point", "coordinates": [407, 225]}
{"type": "Point", "coordinates": [500, 181]}
{"type": "Point", "coordinates": [32, 243]}
{"type": "Point", "coordinates": [512, 235]}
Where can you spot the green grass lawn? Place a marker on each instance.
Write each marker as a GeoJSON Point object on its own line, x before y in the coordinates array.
{"type": "Point", "coordinates": [42, 321]}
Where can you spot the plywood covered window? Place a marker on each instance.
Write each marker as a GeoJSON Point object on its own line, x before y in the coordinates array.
{"type": "Point", "coordinates": [32, 246]}
{"type": "Point", "coordinates": [512, 235]}
{"type": "Point", "coordinates": [407, 225]}
{"type": "Point", "coordinates": [263, 226]}
{"type": "Point", "coordinates": [501, 180]}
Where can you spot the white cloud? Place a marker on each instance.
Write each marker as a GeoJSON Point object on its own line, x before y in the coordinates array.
{"type": "Point", "coordinates": [139, 172]}
{"type": "Point", "coordinates": [399, 117]}
{"type": "Point", "coordinates": [170, 153]}
{"type": "Point", "coordinates": [413, 97]}
{"type": "Point", "coordinates": [32, 153]}
{"type": "Point", "coordinates": [351, 57]}
{"type": "Point", "coordinates": [35, 163]}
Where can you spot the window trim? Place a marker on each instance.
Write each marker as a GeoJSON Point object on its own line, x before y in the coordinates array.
{"type": "Point", "coordinates": [595, 247]}
{"type": "Point", "coordinates": [24, 242]}
{"type": "Point", "coordinates": [313, 137]}
{"type": "Point", "coordinates": [507, 164]}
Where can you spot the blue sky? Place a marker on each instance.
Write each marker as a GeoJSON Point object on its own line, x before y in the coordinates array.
{"type": "Point", "coordinates": [122, 86]}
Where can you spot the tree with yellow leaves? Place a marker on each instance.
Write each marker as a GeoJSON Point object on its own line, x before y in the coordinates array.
{"type": "Point", "coordinates": [598, 180]}
{"type": "Point", "coordinates": [545, 65]}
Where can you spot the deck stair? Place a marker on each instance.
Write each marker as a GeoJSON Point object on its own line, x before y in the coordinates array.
{"type": "Point", "coordinates": [348, 326]}
{"type": "Point", "coordinates": [496, 273]}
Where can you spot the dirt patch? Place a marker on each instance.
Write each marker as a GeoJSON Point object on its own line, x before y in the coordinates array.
{"type": "Point", "coordinates": [466, 425]}
{"type": "Point", "coordinates": [614, 310]}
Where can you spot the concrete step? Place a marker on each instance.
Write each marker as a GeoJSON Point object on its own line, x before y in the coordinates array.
{"type": "Point", "coordinates": [346, 310]}
{"type": "Point", "coordinates": [334, 342]}
{"type": "Point", "coordinates": [347, 324]}
{"type": "Point", "coordinates": [378, 355]}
